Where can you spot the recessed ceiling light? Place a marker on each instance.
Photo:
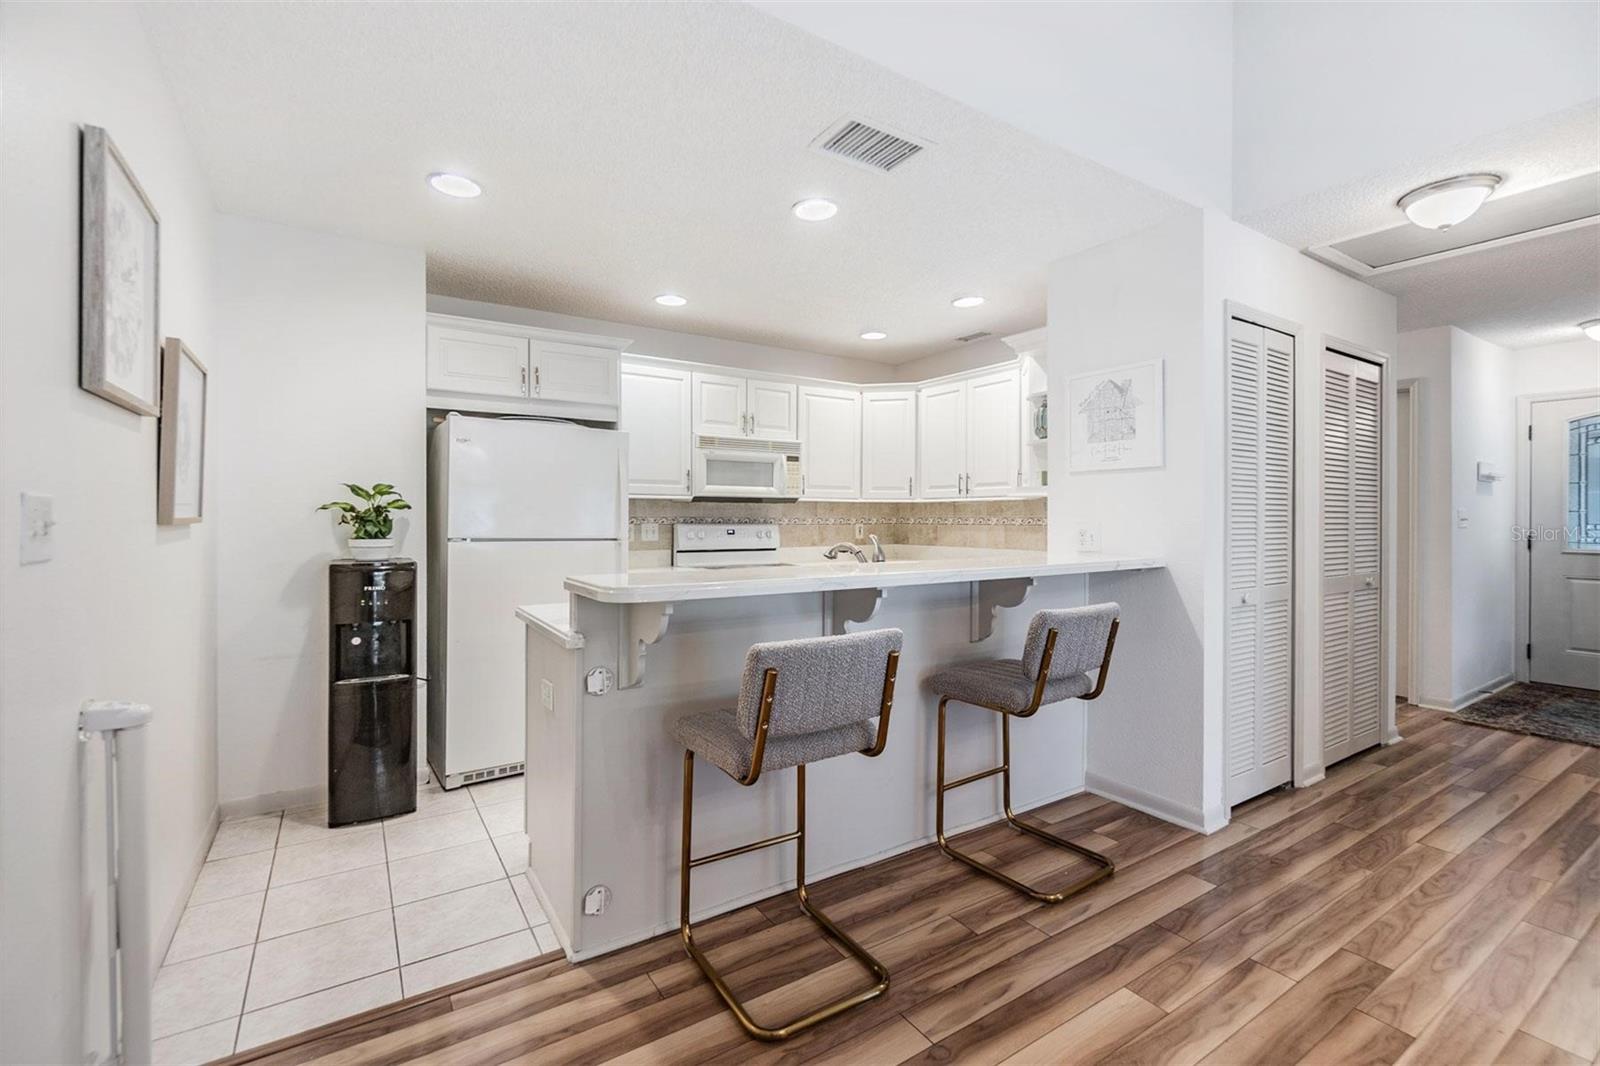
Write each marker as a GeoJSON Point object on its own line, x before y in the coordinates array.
{"type": "Point", "coordinates": [1592, 328]}
{"type": "Point", "coordinates": [966, 301]}
{"type": "Point", "coordinates": [455, 185]}
{"type": "Point", "coordinates": [873, 335]}
{"type": "Point", "coordinates": [670, 299]}
{"type": "Point", "coordinates": [1443, 204]}
{"type": "Point", "coordinates": [815, 209]}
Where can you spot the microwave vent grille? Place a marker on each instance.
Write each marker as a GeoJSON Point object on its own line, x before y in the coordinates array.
{"type": "Point", "coordinates": [745, 444]}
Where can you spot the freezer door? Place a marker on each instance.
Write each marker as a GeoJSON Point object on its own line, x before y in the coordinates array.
{"type": "Point", "coordinates": [484, 713]}
{"type": "Point", "coordinates": [512, 479]}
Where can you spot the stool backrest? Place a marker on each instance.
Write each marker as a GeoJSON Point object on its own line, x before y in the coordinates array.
{"type": "Point", "coordinates": [1081, 635]}
{"type": "Point", "coordinates": [823, 682]}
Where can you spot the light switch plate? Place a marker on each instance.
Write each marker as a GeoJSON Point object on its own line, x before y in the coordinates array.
{"type": "Point", "coordinates": [38, 528]}
{"type": "Point", "coordinates": [547, 694]}
{"type": "Point", "coordinates": [861, 530]}
{"type": "Point", "coordinates": [649, 531]}
{"type": "Point", "coordinates": [1088, 538]}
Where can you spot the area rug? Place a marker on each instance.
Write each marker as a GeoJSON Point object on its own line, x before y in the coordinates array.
{"type": "Point", "coordinates": [1570, 714]}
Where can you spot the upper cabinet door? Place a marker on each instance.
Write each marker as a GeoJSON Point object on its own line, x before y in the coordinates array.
{"type": "Point", "coordinates": [719, 409]}
{"type": "Point", "coordinates": [655, 416]}
{"type": "Point", "coordinates": [830, 434]}
{"type": "Point", "coordinates": [992, 434]}
{"type": "Point", "coordinates": [888, 445]}
{"type": "Point", "coordinates": [476, 362]}
{"type": "Point", "coordinates": [942, 439]}
{"type": "Point", "coordinates": [574, 373]}
{"type": "Point", "coordinates": [774, 410]}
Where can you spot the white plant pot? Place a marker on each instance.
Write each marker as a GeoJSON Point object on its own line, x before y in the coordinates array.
{"type": "Point", "coordinates": [371, 551]}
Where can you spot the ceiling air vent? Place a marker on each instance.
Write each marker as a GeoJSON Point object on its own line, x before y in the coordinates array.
{"type": "Point", "coordinates": [866, 146]}
{"type": "Point", "coordinates": [975, 336]}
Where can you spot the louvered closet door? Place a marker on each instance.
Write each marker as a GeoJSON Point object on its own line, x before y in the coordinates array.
{"type": "Point", "coordinates": [1352, 492]}
{"type": "Point", "coordinates": [1258, 675]}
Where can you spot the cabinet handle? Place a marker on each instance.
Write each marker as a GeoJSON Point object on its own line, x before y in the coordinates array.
{"type": "Point", "coordinates": [908, 488]}
{"type": "Point", "coordinates": [802, 484]}
{"type": "Point", "coordinates": [524, 381]}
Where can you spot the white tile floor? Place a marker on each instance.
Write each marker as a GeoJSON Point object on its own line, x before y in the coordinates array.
{"type": "Point", "coordinates": [292, 924]}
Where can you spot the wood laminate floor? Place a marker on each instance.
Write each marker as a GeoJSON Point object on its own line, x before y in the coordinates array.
{"type": "Point", "coordinates": [1437, 901]}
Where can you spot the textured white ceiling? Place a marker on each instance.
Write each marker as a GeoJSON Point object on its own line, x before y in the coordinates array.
{"type": "Point", "coordinates": [631, 149]}
{"type": "Point", "coordinates": [1517, 295]}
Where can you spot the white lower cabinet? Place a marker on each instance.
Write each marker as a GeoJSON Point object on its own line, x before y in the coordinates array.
{"type": "Point", "coordinates": [655, 416]}
{"type": "Point", "coordinates": [888, 444]}
{"type": "Point", "coordinates": [830, 439]}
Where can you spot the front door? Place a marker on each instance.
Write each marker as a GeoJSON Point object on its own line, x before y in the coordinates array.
{"type": "Point", "coordinates": [1564, 549]}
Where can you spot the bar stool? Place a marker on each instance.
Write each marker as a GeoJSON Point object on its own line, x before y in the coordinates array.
{"type": "Point", "coordinates": [800, 701]}
{"type": "Point", "coordinates": [1062, 647]}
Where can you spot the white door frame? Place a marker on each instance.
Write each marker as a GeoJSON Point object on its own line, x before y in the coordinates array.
{"type": "Point", "coordinates": [1412, 387]}
{"type": "Point", "coordinates": [1523, 608]}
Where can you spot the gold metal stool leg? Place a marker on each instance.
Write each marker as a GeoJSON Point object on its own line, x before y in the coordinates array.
{"type": "Point", "coordinates": [746, 1022]}
{"type": "Point", "coordinates": [1104, 866]}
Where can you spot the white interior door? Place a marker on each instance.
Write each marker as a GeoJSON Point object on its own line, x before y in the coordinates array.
{"type": "Point", "coordinates": [1258, 676]}
{"type": "Point", "coordinates": [942, 439]}
{"type": "Point", "coordinates": [1405, 510]}
{"type": "Point", "coordinates": [830, 434]}
{"type": "Point", "coordinates": [1352, 539]}
{"type": "Point", "coordinates": [888, 445]}
{"type": "Point", "coordinates": [1564, 554]}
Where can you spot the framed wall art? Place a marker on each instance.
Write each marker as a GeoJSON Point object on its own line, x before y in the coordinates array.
{"type": "Point", "coordinates": [180, 476]}
{"type": "Point", "coordinates": [1117, 418]}
{"type": "Point", "coordinates": [120, 326]}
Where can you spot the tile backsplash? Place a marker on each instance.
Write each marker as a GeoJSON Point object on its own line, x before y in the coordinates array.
{"type": "Point", "coordinates": [951, 523]}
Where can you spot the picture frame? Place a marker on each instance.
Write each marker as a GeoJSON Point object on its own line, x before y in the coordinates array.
{"type": "Point", "coordinates": [181, 466]}
{"type": "Point", "coordinates": [1117, 418]}
{"type": "Point", "coordinates": [120, 295]}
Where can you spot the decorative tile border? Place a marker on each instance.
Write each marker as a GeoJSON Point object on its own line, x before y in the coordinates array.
{"type": "Point", "coordinates": [973, 523]}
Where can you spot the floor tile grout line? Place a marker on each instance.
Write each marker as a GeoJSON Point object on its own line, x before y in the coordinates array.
{"type": "Point", "coordinates": [250, 970]}
{"type": "Point", "coordinates": [394, 924]}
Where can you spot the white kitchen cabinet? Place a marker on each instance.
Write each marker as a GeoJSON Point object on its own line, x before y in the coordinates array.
{"type": "Point", "coordinates": [573, 373]}
{"type": "Point", "coordinates": [655, 416]}
{"type": "Point", "coordinates": [477, 361]}
{"type": "Point", "coordinates": [830, 437]}
{"type": "Point", "coordinates": [942, 439]}
{"type": "Point", "coordinates": [992, 433]}
{"type": "Point", "coordinates": [774, 410]}
{"type": "Point", "coordinates": [888, 444]}
{"type": "Point", "coordinates": [754, 408]}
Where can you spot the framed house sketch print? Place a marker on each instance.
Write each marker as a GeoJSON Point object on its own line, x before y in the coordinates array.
{"type": "Point", "coordinates": [180, 476]}
{"type": "Point", "coordinates": [120, 326]}
{"type": "Point", "coordinates": [1117, 418]}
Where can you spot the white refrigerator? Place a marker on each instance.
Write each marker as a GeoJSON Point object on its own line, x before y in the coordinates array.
{"type": "Point", "coordinates": [515, 506]}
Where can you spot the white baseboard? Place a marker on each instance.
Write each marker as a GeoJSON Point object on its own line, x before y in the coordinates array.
{"type": "Point", "coordinates": [273, 801]}
{"type": "Point", "coordinates": [169, 925]}
{"type": "Point", "coordinates": [1158, 806]}
{"type": "Point", "coordinates": [1482, 692]}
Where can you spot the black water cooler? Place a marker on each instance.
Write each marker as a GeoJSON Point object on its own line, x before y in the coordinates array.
{"type": "Point", "coordinates": [372, 690]}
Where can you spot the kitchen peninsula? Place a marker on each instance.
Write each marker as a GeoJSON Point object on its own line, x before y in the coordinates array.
{"type": "Point", "coordinates": [611, 670]}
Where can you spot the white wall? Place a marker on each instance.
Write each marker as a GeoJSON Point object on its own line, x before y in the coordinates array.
{"type": "Point", "coordinates": [1327, 93]}
{"type": "Point", "coordinates": [326, 338]}
{"type": "Point", "coordinates": [1145, 89]}
{"type": "Point", "coordinates": [979, 353]}
{"type": "Point", "coordinates": [126, 607]}
{"type": "Point", "coordinates": [1482, 585]}
{"type": "Point", "coordinates": [1563, 367]}
{"type": "Point", "coordinates": [1424, 355]}
{"type": "Point", "coordinates": [1155, 737]}
{"type": "Point", "coordinates": [669, 344]}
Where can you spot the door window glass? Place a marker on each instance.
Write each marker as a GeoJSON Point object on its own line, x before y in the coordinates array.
{"type": "Point", "coordinates": [1583, 483]}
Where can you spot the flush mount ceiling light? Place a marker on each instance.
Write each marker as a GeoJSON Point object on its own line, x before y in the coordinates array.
{"type": "Point", "coordinates": [966, 301]}
{"type": "Point", "coordinates": [671, 299]}
{"type": "Point", "coordinates": [815, 209]}
{"type": "Point", "coordinates": [873, 335]}
{"type": "Point", "coordinates": [1443, 204]}
{"type": "Point", "coordinates": [455, 185]}
{"type": "Point", "coordinates": [1592, 328]}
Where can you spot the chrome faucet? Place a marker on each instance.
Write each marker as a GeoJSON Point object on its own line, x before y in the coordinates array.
{"type": "Point", "coordinates": [877, 549]}
{"type": "Point", "coordinates": [845, 546]}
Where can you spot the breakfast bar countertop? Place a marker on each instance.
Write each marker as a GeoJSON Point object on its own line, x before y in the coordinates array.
{"type": "Point", "coordinates": [679, 584]}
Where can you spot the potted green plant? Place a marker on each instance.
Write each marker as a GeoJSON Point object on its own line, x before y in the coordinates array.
{"type": "Point", "coordinates": [371, 525]}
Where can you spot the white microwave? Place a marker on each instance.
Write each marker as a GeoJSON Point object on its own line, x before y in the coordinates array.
{"type": "Point", "coordinates": [734, 468]}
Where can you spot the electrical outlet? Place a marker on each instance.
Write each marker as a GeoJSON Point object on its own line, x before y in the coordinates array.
{"type": "Point", "coordinates": [649, 531]}
{"type": "Point", "coordinates": [38, 528]}
{"type": "Point", "coordinates": [861, 530]}
{"type": "Point", "coordinates": [1088, 538]}
{"type": "Point", "coordinates": [547, 694]}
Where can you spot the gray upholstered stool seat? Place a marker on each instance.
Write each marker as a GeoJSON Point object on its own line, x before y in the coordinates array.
{"type": "Point", "coordinates": [715, 736]}
{"type": "Point", "coordinates": [1003, 683]}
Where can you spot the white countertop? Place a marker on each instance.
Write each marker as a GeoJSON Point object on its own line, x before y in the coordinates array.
{"type": "Point", "coordinates": [677, 584]}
